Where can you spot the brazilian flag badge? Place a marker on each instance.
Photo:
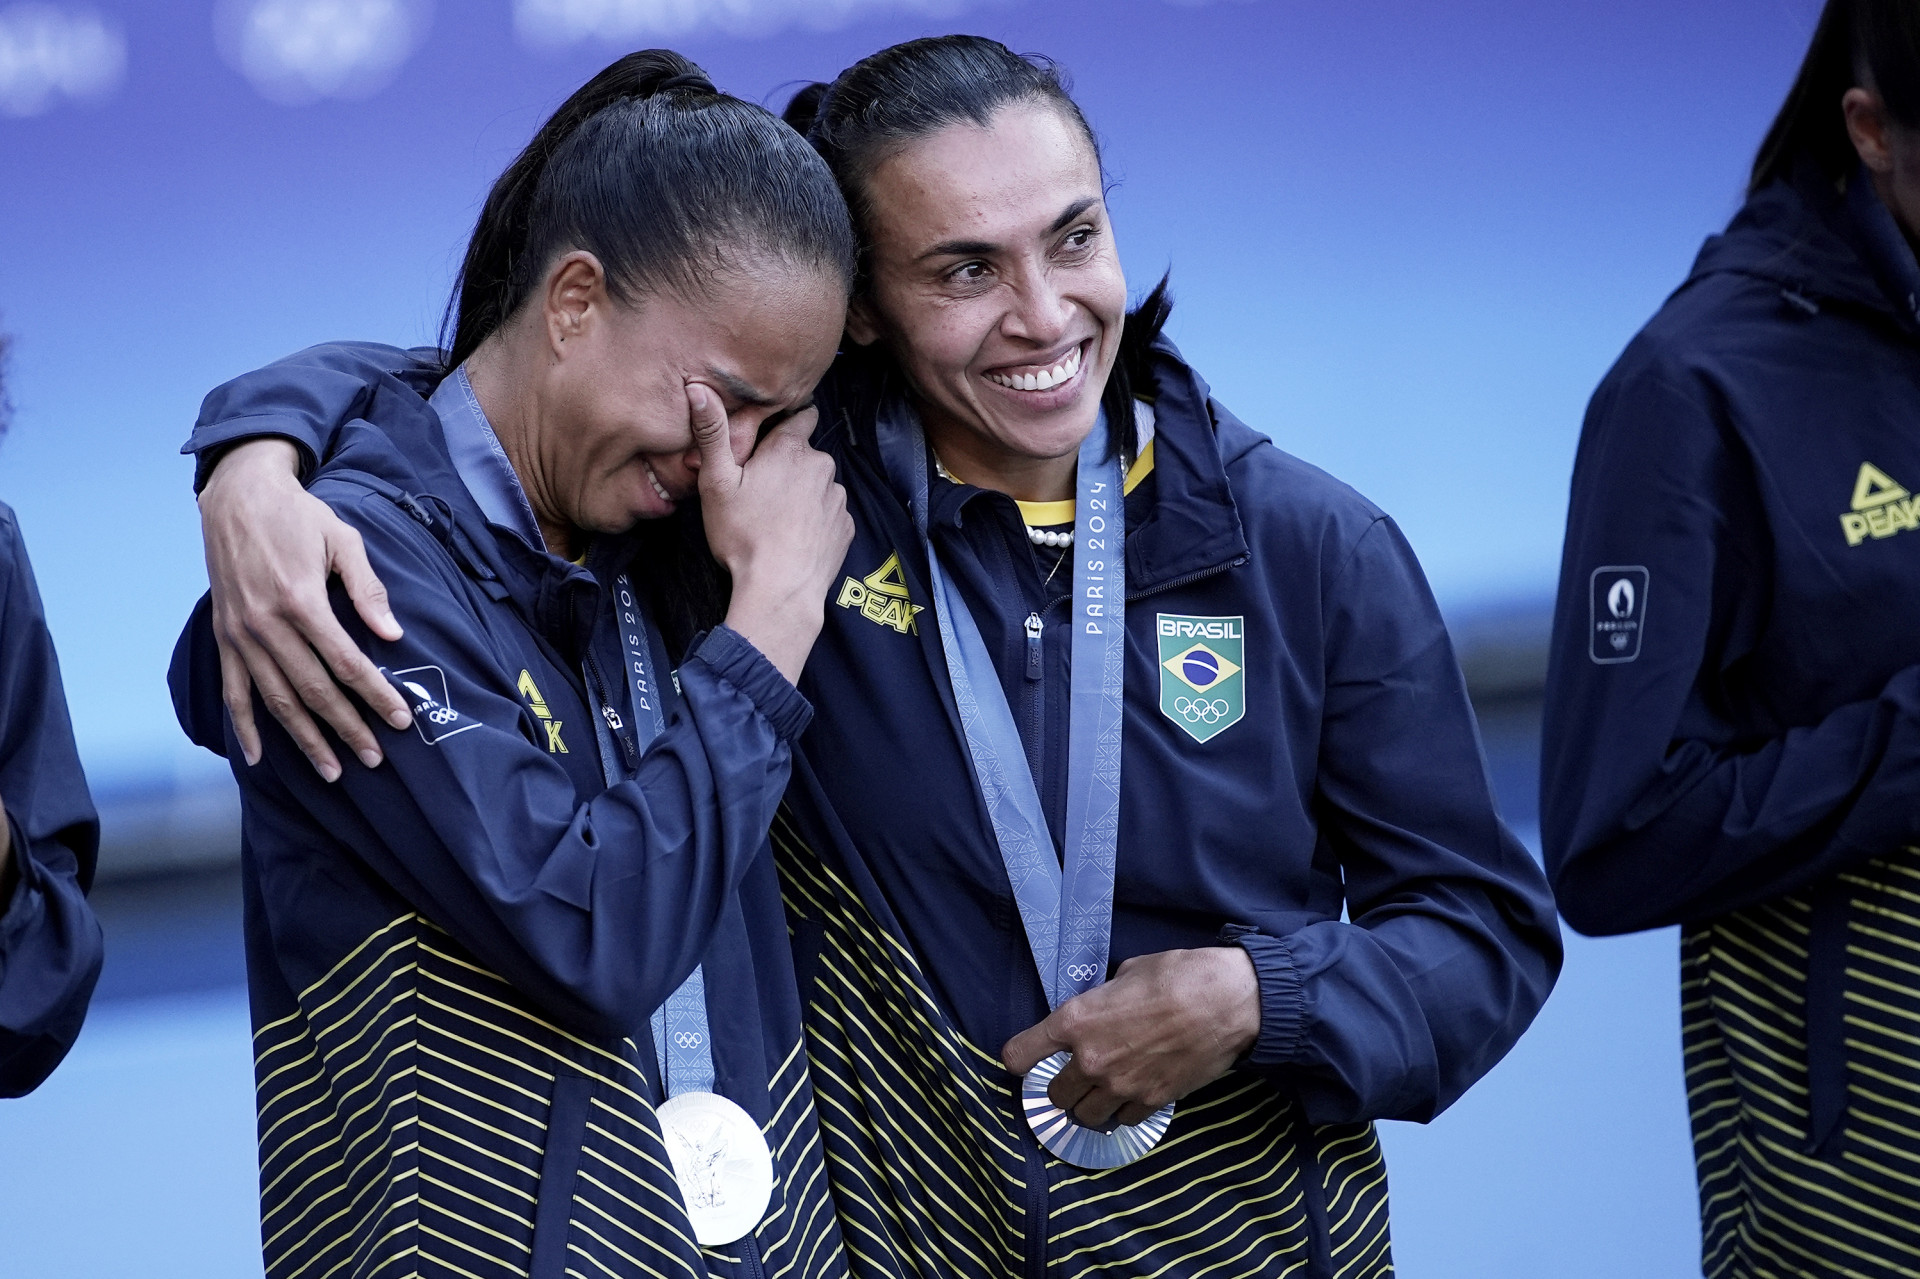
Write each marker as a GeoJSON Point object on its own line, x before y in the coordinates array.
{"type": "Point", "coordinates": [1202, 680]}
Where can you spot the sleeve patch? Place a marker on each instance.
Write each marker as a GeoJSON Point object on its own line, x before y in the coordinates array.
{"type": "Point", "coordinates": [425, 688]}
{"type": "Point", "coordinates": [1617, 604]}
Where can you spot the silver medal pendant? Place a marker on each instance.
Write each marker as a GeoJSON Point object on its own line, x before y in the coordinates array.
{"type": "Point", "coordinates": [1075, 1143]}
{"type": "Point", "coordinates": [721, 1160]}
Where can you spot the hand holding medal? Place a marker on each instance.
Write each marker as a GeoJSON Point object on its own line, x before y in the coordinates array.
{"type": "Point", "coordinates": [1122, 1052]}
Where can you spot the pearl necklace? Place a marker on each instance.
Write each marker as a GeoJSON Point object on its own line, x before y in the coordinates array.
{"type": "Point", "coordinates": [1038, 536]}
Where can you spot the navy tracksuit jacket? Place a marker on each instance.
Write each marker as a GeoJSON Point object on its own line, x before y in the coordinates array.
{"type": "Point", "coordinates": [1342, 782]}
{"type": "Point", "coordinates": [1732, 738]}
{"type": "Point", "coordinates": [49, 939]}
{"type": "Point", "coordinates": [452, 957]}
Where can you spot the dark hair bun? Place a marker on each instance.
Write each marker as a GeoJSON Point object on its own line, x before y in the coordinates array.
{"type": "Point", "coordinates": [804, 106]}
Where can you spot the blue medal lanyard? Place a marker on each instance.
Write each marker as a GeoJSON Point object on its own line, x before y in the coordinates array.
{"type": "Point", "coordinates": [680, 1033]}
{"type": "Point", "coordinates": [1067, 910]}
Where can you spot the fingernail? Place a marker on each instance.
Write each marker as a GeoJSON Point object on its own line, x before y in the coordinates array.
{"type": "Point", "coordinates": [400, 719]}
{"type": "Point", "coordinates": [252, 757]}
{"type": "Point", "coordinates": [371, 758]}
{"type": "Point", "coordinates": [330, 772]}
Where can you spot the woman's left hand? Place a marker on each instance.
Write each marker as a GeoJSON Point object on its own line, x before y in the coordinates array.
{"type": "Point", "coordinates": [1166, 1024]}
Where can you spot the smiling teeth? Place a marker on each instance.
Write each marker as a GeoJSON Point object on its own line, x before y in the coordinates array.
{"type": "Point", "coordinates": [1045, 380]}
{"type": "Point", "coordinates": [655, 481]}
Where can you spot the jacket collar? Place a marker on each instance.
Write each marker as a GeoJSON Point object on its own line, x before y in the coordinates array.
{"type": "Point", "coordinates": [411, 464]}
{"type": "Point", "coordinates": [1883, 245]}
{"type": "Point", "coordinates": [1193, 526]}
{"type": "Point", "coordinates": [1818, 246]}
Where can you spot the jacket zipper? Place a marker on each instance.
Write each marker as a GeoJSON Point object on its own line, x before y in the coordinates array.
{"type": "Point", "coordinates": [1188, 580]}
{"type": "Point", "coordinates": [1034, 629]}
{"type": "Point", "coordinates": [1037, 1212]}
{"type": "Point", "coordinates": [612, 716]}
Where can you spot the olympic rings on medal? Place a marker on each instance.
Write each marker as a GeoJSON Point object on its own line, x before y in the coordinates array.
{"type": "Point", "coordinates": [1200, 710]}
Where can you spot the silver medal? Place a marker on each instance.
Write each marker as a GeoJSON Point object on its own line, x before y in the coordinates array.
{"type": "Point", "coordinates": [721, 1160]}
{"type": "Point", "coordinates": [1075, 1143]}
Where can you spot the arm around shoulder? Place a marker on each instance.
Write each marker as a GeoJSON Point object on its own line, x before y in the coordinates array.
{"type": "Point", "coordinates": [304, 398]}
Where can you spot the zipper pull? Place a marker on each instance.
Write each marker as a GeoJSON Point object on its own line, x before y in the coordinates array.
{"type": "Point", "coordinates": [1034, 627]}
{"type": "Point", "coordinates": [613, 717]}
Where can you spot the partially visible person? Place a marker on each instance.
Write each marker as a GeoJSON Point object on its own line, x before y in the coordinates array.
{"type": "Point", "coordinates": [1732, 737]}
{"type": "Point", "coordinates": [49, 939]}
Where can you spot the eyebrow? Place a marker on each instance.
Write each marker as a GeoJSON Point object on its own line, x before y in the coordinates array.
{"type": "Point", "coordinates": [980, 248]}
{"type": "Point", "coordinates": [742, 391]}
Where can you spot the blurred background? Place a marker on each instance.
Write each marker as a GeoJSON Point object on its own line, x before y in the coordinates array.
{"type": "Point", "coordinates": [1407, 237]}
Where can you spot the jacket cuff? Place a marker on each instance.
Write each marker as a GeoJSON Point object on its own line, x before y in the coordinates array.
{"type": "Point", "coordinates": [209, 443]}
{"type": "Point", "coordinates": [1283, 998]}
{"type": "Point", "coordinates": [734, 659]}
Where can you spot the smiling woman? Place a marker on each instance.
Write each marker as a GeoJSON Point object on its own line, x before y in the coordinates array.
{"type": "Point", "coordinates": [1201, 734]}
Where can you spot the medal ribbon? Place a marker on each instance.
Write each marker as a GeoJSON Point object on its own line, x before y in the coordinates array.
{"type": "Point", "coordinates": [1067, 911]}
{"type": "Point", "coordinates": [680, 1033]}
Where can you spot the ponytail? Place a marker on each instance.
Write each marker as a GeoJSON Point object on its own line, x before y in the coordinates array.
{"type": "Point", "coordinates": [1133, 370]}
{"type": "Point", "coordinates": [656, 173]}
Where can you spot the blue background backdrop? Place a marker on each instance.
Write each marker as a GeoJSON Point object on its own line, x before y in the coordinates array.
{"type": "Point", "coordinates": [1407, 237]}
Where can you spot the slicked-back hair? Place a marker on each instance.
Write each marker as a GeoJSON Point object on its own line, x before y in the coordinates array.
{"type": "Point", "coordinates": [885, 103]}
{"type": "Point", "coordinates": [661, 177]}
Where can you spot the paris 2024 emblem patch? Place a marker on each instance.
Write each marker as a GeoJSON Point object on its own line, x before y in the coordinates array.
{"type": "Point", "coordinates": [1202, 676]}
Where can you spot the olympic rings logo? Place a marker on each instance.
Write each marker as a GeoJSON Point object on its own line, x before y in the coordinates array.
{"type": "Point", "coordinates": [443, 715]}
{"type": "Point", "coordinates": [1081, 972]}
{"type": "Point", "coordinates": [1200, 710]}
{"type": "Point", "coordinates": [688, 1039]}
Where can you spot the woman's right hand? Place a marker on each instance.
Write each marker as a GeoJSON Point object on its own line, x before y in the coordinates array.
{"type": "Point", "coordinates": [778, 521]}
{"type": "Point", "coordinates": [271, 548]}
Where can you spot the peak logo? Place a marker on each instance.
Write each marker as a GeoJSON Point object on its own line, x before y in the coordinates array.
{"type": "Point", "coordinates": [538, 705]}
{"type": "Point", "coordinates": [881, 597]}
{"type": "Point", "coordinates": [1881, 507]}
{"type": "Point", "coordinates": [1618, 609]}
